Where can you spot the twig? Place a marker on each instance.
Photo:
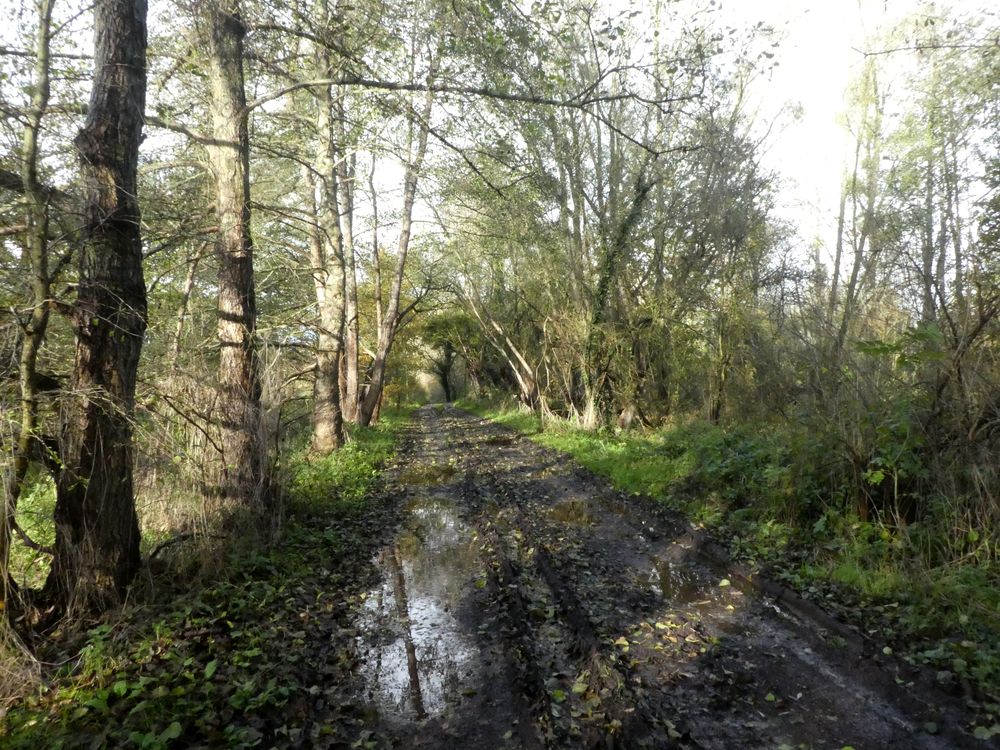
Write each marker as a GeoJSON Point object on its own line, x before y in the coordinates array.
{"type": "Point", "coordinates": [177, 540]}
{"type": "Point", "coordinates": [23, 536]}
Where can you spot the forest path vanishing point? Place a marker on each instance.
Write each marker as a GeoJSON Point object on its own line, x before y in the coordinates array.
{"type": "Point", "coordinates": [525, 604]}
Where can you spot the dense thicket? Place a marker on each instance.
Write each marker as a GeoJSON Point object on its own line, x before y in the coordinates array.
{"type": "Point", "coordinates": [341, 203]}
{"type": "Point", "coordinates": [618, 288]}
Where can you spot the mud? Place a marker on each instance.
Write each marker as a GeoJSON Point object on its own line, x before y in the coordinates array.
{"type": "Point", "coordinates": [525, 604]}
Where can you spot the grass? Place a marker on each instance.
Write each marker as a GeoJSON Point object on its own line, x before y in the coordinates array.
{"type": "Point", "coordinates": [765, 494]}
{"type": "Point", "coordinates": [223, 662]}
{"type": "Point", "coordinates": [344, 477]}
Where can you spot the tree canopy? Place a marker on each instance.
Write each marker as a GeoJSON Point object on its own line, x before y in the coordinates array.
{"type": "Point", "coordinates": [242, 234]}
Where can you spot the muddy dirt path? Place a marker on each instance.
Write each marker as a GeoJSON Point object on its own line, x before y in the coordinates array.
{"type": "Point", "coordinates": [525, 604]}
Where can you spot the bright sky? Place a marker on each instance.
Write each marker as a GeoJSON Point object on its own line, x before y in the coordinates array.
{"type": "Point", "coordinates": [804, 98]}
{"type": "Point", "coordinates": [817, 60]}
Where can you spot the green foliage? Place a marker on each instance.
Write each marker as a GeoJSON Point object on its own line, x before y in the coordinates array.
{"type": "Point", "coordinates": [34, 515]}
{"type": "Point", "coordinates": [345, 476]}
{"type": "Point", "coordinates": [522, 420]}
{"type": "Point", "coordinates": [214, 664]}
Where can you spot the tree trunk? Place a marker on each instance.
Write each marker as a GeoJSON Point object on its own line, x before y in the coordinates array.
{"type": "Point", "coordinates": [376, 255]}
{"type": "Point", "coordinates": [862, 217]}
{"type": "Point", "coordinates": [718, 395]}
{"type": "Point", "coordinates": [97, 531]}
{"type": "Point", "coordinates": [346, 176]}
{"type": "Point", "coordinates": [328, 282]}
{"type": "Point", "coordinates": [839, 254]}
{"type": "Point", "coordinates": [327, 257]}
{"type": "Point", "coordinates": [524, 374]}
{"type": "Point", "coordinates": [955, 221]}
{"type": "Point", "coordinates": [612, 252]}
{"type": "Point", "coordinates": [419, 125]}
{"type": "Point", "coordinates": [928, 248]}
{"type": "Point", "coordinates": [182, 306]}
{"type": "Point", "coordinates": [241, 475]}
{"type": "Point", "coordinates": [37, 253]}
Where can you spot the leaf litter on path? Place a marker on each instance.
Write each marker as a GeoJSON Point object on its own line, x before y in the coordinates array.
{"type": "Point", "coordinates": [522, 605]}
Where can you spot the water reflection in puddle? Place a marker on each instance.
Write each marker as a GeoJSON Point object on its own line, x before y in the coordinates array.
{"type": "Point", "coordinates": [682, 586]}
{"type": "Point", "coordinates": [677, 583]}
{"type": "Point", "coordinates": [573, 512]}
{"type": "Point", "coordinates": [416, 655]}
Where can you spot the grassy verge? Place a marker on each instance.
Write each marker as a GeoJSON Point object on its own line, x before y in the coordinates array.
{"type": "Point", "coordinates": [229, 662]}
{"type": "Point", "coordinates": [762, 493]}
{"type": "Point", "coordinates": [343, 478]}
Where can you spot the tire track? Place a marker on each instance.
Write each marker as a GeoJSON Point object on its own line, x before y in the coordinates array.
{"type": "Point", "coordinates": [622, 636]}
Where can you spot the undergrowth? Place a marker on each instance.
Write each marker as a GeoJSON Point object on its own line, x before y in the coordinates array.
{"type": "Point", "coordinates": [28, 566]}
{"type": "Point", "coordinates": [775, 496]}
{"type": "Point", "coordinates": [345, 476]}
{"type": "Point", "coordinates": [225, 662]}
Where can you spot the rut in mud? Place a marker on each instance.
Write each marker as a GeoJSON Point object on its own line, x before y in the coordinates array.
{"type": "Point", "coordinates": [525, 604]}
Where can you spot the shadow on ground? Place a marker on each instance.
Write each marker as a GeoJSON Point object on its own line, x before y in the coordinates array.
{"type": "Point", "coordinates": [527, 604]}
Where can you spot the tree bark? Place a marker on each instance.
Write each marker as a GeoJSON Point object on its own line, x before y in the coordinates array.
{"type": "Point", "coordinates": [839, 253]}
{"type": "Point", "coordinates": [241, 471]}
{"type": "Point", "coordinates": [523, 372]}
{"type": "Point", "coordinates": [346, 173]}
{"type": "Point", "coordinates": [928, 248]}
{"type": "Point", "coordinates": [955, 222]}
{"type": "Point", "coordinates": [863, 217]}
{"type": "Point", "coordinates": [327, 257]}
{"type": "Point", "coordinates": [376, 255]}
{"type": "Point", "coordinates": [597, 356]}
{"type": "Point", "coordinates": [97, 530]}
{"type": "Point", "coordinates": [328, 282]}
{"type": "Point", "coordinates": [37, 252]}
{"type": "Point", "coordinates": [182, 306]}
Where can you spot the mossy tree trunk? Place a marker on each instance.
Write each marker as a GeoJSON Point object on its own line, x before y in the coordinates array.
{"type": "Point", "coordinates": [36, 232]}
{"type": "Point", "coordinates": [327, 260]}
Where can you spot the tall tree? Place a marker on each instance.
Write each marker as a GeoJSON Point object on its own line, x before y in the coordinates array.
{"type": "Point", "coordinates": [418, 127]}
{"type": "Point", "coordinates": [36, 240]}
{"type": "Point", "coordinates": [97, 531]}
{"type": "Point", "coordinates": [241, 476]}
{"type": "Point", "coordinates": [860, 204]}
{"type": "Point", "coordinates": [327, 255]}
{"type": "Point", "coordinates": [346, 175]}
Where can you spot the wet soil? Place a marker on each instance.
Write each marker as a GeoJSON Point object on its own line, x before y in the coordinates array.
{"type": "Point", "coordinates": [525, 604]}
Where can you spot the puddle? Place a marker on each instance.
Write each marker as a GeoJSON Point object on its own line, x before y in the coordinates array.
{"type": "Point", "coordinates": [428, 474]}
{"type": "Point", "coordinates": [572, 511]}
{"type": "Point", "coordinates": [681, 586]}
{"type": "Point", "coordinates": [416, 656]}
{"type": "Point", "coordinates": [499, 440]}
{"type": "Point", "coordinates": [677, 584]}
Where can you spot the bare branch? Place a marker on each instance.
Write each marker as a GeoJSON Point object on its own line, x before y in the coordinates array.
{"type": "Point", "coordinates": [981, 45]}
{"type": "Point", "coordinates": [11, 52]}
{"type": "Point", "coordinates": [28, 541]}
{"type": "Point", "coordinates": [574, 102]}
